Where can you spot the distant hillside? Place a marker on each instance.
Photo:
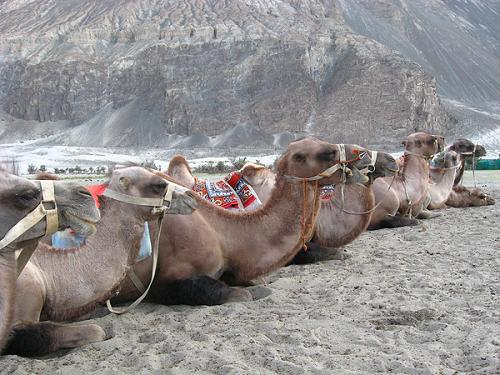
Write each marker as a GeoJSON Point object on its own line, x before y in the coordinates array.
{"type": "Point", "coordinates": [224, 73]}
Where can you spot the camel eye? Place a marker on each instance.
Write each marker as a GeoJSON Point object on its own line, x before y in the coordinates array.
{"type": "Point", "coordinates": [299, 158]}
{"type": "Point", "coordinates": [159, 187]}
{"type": "Point", "coordinates": [328, 156]}
{"type": "Point", "coordinates": [26, 197]}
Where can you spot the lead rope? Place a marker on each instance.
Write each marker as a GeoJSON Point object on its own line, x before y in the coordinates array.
{"type": "Point", "coordinates": [153, 273]}
{"type": "Point", "coordinates": [368, 211]}
{"type": "Point", "coordinates": [161, 210]}
{"type": "Point", "coordinates": [303, 219]}
{"type": "Point", "coordinates": [474, 164]}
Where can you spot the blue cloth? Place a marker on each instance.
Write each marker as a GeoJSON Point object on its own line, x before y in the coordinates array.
{"type": "Point", "coordinates": [146, 249]}
{"type": "Point", "coordinates": [66, 239]}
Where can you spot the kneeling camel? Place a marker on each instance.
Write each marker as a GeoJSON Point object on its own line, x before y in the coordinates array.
{"type": "Point", "coordinates": [238, 247]}
{"type": "Point", "coordinates": [21, 198]}
{"type": "Point", "coordinates": [45, 294]}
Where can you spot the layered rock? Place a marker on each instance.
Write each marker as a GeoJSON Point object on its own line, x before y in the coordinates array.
{"type": "Point", "coordinates": [142, 73]}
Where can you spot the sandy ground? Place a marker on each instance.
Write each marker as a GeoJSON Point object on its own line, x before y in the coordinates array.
{"type": "Point", "coordinates": [419, 300]}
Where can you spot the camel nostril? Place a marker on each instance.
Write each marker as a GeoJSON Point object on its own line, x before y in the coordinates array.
{"type": "Point", "coordinates": [85, 193]}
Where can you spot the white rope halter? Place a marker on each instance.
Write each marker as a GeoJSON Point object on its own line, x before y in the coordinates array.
{"type": "Point", "coordinates": [47, 208]}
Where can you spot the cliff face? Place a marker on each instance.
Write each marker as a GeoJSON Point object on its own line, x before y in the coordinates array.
{"type": "Point", "coordinates": [143, 73]}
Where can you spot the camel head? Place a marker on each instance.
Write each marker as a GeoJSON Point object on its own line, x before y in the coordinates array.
{"type": "Point", "coordinates": [140, 182]}
{"type": "Point", "coordinates": [474, 196]}
{"type": "Point", "coordinates": [309, 157]}
{"type": "Point", "coordinates": [446, 159]}
{"type": "Point", "coordinates": [19, 196]}
{"type": "Point", "coordinates": [423, 144]}
{"type": "Point", "coordinates": [385, 165]}
{"type": "Point", "coordinates": [465, 147]}
{"type": "Point", "coordinates": [441, 142]}
{"type": "Point", "coordinates": [261, 179]}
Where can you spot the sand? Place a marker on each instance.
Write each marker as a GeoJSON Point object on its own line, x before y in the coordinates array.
{"type": "Point", "coordinates": [416, 300]}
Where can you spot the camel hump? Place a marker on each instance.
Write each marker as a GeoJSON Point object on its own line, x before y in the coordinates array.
{"type": "Point", "coordinates": [176, 162]}
{"type": "Point", "coordinates": [47, 176]}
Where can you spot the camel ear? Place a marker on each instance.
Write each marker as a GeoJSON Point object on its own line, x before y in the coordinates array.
{"type": "Point", "coordinates": [124, 183]}
{"type": "Point", "coordinates": [250, 169]}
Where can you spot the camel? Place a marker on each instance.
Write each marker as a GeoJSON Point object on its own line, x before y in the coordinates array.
{"type": "Point", "coordinates": [467, 150]}
{"type": "Point", "coordinates": [401, 199]}
{"type": "Point", "coordinates": [203, 253]}
{"type": "Point", "coordinates": [338, 223]}
{"type": "Point", "coordinates": [46, 295]}
{"type": "Point", "coordinates": [442, 175]}
{"type": "Point", "coordinates": [462, 196]}
{"type": "Point", "coordinates": [19, 197]}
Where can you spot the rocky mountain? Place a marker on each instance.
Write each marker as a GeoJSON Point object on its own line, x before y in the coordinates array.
{"type": "Point", "coordinates": [215, 73]}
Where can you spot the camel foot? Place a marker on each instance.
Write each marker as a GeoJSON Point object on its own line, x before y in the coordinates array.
{"type": "Point", "coordinates": [315, 253]}
{"type": "Point", "coordinates": [259, 292]}
{"type": "Point", "coordinates": [426, 214]}
{"type": "Point", "coordinates": [394, 222]}
{"type": "Point", "coordinates": [38, 339]}
{"type": "Point", "coordinates": [231, 280]}
{"type": "Point", "coordinates": [195, 291]}
{"type": "Point", "coordinates": [239, 295]}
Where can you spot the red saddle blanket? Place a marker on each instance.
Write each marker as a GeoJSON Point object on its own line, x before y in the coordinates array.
{"type": "Point", "coordinates": [231, 192]}
{"type": "Point", "coordinates": [327, 193]}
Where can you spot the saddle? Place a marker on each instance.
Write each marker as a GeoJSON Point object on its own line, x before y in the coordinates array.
{"type": "Point", "coordinates": [232, 192]}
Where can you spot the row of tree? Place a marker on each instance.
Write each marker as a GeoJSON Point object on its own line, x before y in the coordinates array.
{"type": "Point", "coordinates": [32, 169]}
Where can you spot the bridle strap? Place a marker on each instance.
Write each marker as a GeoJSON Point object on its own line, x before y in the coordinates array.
{"type": "Point", "coordinates": [340, 165]}
{"type": "Point", "coordinates": [46, 208]}
{"type": "Point", "coordinates": [371, 167]}
{"type": "Point", "coordinates": [427, 158]}
{"type": "Point", "coordinates": [137, 201]}
{"type": "Point", "coordinates": [50, 206]}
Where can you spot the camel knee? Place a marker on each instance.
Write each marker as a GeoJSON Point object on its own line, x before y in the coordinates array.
{"type": "Point", "coordinates": [38, 339]}
{"type": "Point", "coordinates": [194, 291]}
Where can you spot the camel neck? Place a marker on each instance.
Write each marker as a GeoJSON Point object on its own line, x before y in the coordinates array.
{"type": "Point", "coordinates": [415, 167]}
{"type": "Point", "coordinates": [442, 185]}
{"type": "Point", "coordinates": [337, 226]}
{"type": "Point", "coordinates": [258, 242]}
{"type": "Point", "coordinates": [7, 290]}
{"type": "Point", "coordinates": [77, 279]}
{"type": "Point", "coordinates": [415, 176]}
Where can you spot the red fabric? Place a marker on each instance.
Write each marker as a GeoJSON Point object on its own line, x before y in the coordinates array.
{"type": "Point", "coordinates": [97, 191]}
{"type": "Point", "coordinates": [219, 193]}
{"type": "Point", "coordinates": [241, 187]}
{"type": "Point", "coordinates": [327, 193]}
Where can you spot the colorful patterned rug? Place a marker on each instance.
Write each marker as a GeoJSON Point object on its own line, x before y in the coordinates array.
{"type": "Point", "coordinates": [232, 192]}
{"type": "Point", "coordinates": [243, 190]}
{"type": "Point", "coordinates": [327, 193]}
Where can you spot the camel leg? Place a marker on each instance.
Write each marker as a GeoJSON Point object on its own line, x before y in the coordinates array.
{"type": "Point", "coordinates": [395, 221]}
{"type": "Point", "coordinates": [316, 253]}
{"type": "Point", "coordinates": [426, 214]}
{"type": "Point", "coordinates": [42, 338]}
{"type": "Point", "coordinates": [198, 290]}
